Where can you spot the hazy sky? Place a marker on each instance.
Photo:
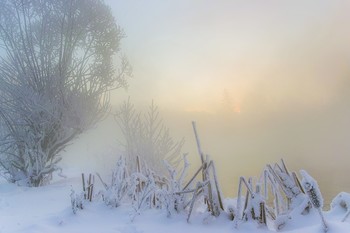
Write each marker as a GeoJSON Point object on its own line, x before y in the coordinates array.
{"type": "Point", "coordinates": [263, 79]}
{"type": "Point", "coordinates": [187, 54]}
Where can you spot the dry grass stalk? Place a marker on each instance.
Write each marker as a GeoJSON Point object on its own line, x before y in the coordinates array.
{"type": "Point", "coordinates": [218, 190]}
{"type": "Point", "coordinates": [240, 211]}
{"type": "Point", "coordinates": [284, 167]}
{"type": "Point", "coordinates": [297, 181]}
{"type": "Point", "coordinates": [197, 141]}
{"type": "Point", "coordinates": [274, 189]}
{"type": "Point", "coordinates": [262, 218]}
{"type": "Point", "coordinates": [193, 177]}
{"type": "Point", "coordinates": [103, 183]}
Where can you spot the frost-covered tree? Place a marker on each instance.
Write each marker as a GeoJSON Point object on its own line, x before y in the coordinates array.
{"type": "Point", "coordinates": [56, 71]}
{"type": "Point", "coordinates": [147, 139]}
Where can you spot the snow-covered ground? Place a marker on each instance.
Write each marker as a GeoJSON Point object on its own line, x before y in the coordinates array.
{"type": "Point", "coordinates": [48, 209]}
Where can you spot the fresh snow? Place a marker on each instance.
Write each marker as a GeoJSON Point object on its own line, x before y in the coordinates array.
{"type": "Point", "coordinates": [48, 209]}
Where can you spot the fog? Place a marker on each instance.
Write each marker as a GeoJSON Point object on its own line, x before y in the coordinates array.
{"type": "Point", "coordinates": [264, 80]}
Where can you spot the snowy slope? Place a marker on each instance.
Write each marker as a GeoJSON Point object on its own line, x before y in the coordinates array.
{"type": "Point", "coordinates": [47, 209]}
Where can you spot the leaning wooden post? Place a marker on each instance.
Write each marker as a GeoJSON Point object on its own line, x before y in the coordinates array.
{"type": "Point", "coordinates": [198, 142]}
{"type": "Point", "coordinates": [138, 167]}
{"type": "Point", "coordinates": [92, 187]}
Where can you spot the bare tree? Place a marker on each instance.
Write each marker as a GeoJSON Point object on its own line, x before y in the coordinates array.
{"type": "Point", "coordinates": [56, 71]}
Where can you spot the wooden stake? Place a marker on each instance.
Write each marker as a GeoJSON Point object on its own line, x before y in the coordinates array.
{"type": "Point", "coordinates": [92, 187]}
{"type": "Point", "coordinates": [83, 180]}
{"type": "Point", "coordinates": [139, 171]}
{"type": "Point", "coordinates": [89, 187]}
{"type": "Point", "coordinates": [138, 164]}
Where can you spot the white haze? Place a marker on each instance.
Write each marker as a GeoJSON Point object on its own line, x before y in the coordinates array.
{"type": "Point", "coordinates": [263, 80]}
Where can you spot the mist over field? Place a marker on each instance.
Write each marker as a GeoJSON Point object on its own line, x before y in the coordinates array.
{"type": "Point", "coordinates": [263, 81]}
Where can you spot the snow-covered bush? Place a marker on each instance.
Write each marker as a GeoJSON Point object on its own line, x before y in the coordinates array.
{"type": "Point", "coordinates": [150, 190]}
{"type": "Point", "coordinates": [116, 191]}
{"type": "Point", "coordinates": [174, 196]}
{"type": "Point", "coordinates": [145, 189]}
{"type": "Point", "coordinates": [76, 201]}
{"type": "Point", "coordinates": [141, 189]}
